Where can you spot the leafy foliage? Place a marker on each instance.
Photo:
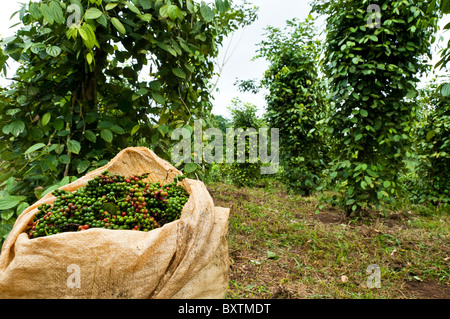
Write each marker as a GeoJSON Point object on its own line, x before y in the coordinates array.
{"type": "Point", "coordinates": [296, 103]}
{"type": "Point", "coordinates": [248, 172]}
{"type": "Point", "coordinates": [97, 76]}
{"type": "Point", "coordinates": [444, 6]}
{"type": "Point", "coordinates": [430, 177]}
{"type": "Point", "coordinates": [371, 71]}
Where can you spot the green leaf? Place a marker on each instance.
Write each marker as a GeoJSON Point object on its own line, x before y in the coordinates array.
{"type": "Point", "coordinates": [64, 181]}
{"type": "Point", "coordinates": [111, 6]}
{"type": "Point", "coordinates": [118, 25]}
{"type": "Point", "coordinates": [46, 118]}
{"type": "Point", "coordinates": [35, 11]}
{"type": "Point", "coordinates": [190, 167]}
{"type": "Point", "coordinates": [206, 12]}
{"type": "Point", "coordinates": [22, 206]}
{"type": "Point", "coordinates": [163, 129]}
{"type": "Point", "coordinates": [179, 72]}
{"type": "Point", "coordinates": [372, 173]}
{"type": "Point", "coordinates": [89, 58]}
{"type": "Point", "coordinates": [411, 95]}
{"type": "Point", "coordinates": [103, 20]}
{"type": "Point", "coordinates": [63, 133]}
{"type": "Point", "coordinates": [53, 51]}
{"type": "Point", "coordinates": [58, 124]}
{"type": "Point", "coordinates": [10, 184]}
{"type": "Point", "coordinates": [142, 91]}
{"type": "Point", "coordinates": [146, 4]}
{"type": "Point", "coordinates": [155, 85]}
{"type": "Point", "coordinates": [386, 184]}
{"type": "Point", "coordinates": [445, 6]}
{"type": "Point", "coordinates": [191, 8]}
{"type": "Point", "coordinates": [34, 148]}
{"type": "Point", "coordinates": [364, 113]}
{"type": "Point", "coordinates": [5, 229]}
{"type": "Point", "coordinates": [16, 127]}
{"type": "Point", "coordinates": [88, 35]}
{"type": "Point", "coordinates": [90, 136]}
{"type": "Point", "coordinates": [7, 214]}
{"type": "Point", "coordinates": [107, 135]}
{"type": "Point", "coordinates": [169, 11]}
{"type": "Point", "coordinates": [158, 98]}
{"type": "Point", "coordinates": [145, 17]}
{"type": "Point", "coordinates": [36, 48]}
{"type": "Point", "coordinates": [135, 129]}
{"type": "Point", "coordinates": [117, 129]}
{"type": "Point", "coordinates": [9, 202]}
{"type": "Point", "coordinates": [133, 8]}
{"type": "Point", "coordinates": [12, 111]}
{"type": "Point", "coordinates": [105, 124]}
{"type": "Point", "coordinates": [57, 11]}
{"type": "Point", "coordinates": [82, 166]}
{"type": "Point", "coordinates": [445, 90]}
{"type": "Point", "coordinates": [431, 134]}
{"type": "Point", "coordinates": [92, 14]}
{"type": "Point", "coordinates": [64, 159]}
{"type": "Point", "coordinates": [166, 48]}
{"type": "Point", "coordinates": [221, 6]}
{"type": "Point", "coordinates": [47, 13]}
{"type": "Point", "coordinates": [74, 146]}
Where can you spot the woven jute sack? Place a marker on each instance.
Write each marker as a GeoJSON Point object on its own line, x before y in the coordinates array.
{"type": "Point", "coordinates": [184, 259]}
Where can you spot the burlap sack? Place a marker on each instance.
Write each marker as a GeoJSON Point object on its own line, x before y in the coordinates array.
{"type": "Point", "coordinates": [187, 258]}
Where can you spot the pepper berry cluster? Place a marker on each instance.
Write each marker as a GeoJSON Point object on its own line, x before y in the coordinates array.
{"type": "Point", "coordinates": [111, 202]}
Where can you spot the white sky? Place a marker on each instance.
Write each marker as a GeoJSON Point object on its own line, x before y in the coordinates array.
{"type": "Point", "coordinates": [242, 46]}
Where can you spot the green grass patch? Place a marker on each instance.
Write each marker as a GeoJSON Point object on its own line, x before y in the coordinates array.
{"type": "Point", "coordinates": [280, 248]}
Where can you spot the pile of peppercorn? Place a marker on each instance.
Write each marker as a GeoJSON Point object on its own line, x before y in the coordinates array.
{"type": "Point", "coordinates": [112, 202]}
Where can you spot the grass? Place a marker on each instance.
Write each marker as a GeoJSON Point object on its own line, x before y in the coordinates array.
{"type": "Point", "coordinates": [280, 248]}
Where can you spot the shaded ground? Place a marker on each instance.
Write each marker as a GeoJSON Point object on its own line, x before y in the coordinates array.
{"type": "Point", "coordinates": [280, 248]}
